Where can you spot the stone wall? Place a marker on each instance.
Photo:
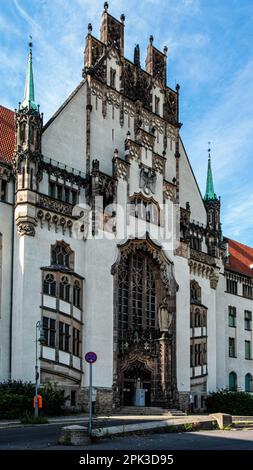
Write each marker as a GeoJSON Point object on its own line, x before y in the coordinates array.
{"type": "Point", "coordinates": [184, 401]}
{"type": "Point", "coordinates": [103, 403]}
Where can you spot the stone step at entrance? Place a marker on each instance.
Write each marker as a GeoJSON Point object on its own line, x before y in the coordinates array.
{"type": "Point", "coordinates": [148, 410]}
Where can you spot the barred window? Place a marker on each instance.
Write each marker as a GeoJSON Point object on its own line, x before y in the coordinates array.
{"type": "Point", "coordinates": [247, 291]}
{"type": "Point", "coordinates": [231, 286]}
{"type": "Point", "coordinates": [64, 336]}
{"type": "Point", "coordinates": [49, 285]}
{"type": "Point", "coordinates": [195, 243]}
{"type": "Point", "coordinates": [248, 350]}
{"type": "Point", "coordinates": [197, 352]}
{"type": "Point", "coordinates": [49, 331]}
{"type": "Point", "coordinates": [232, 381]}
{"type": "Point", "coordinates": [76, 342]}
{"type": "Point", "coordinates": [65, 289]}
{"type": "Point", "coordinates": [247, 319]}
{"type": "Point", "coordinates": [248, 383]}
{"type": "Point", "coordinates": [232, 316]}
{"type": "Point", "coordinates": [231, 347]}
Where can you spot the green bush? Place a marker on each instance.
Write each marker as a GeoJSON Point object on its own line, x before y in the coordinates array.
{"type": "Point", "coordinates": [31, 419]}
{"type": "Point", "coordinates": [16, 399]}
{"type": "Point", "coordinates": [234, 403]}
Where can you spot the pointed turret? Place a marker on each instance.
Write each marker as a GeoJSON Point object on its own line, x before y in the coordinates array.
{"type": "Point", "coordinates": [212, 204]}
{"type": "Point", "coordinates": [29, 96]}
{"type": "Point", "coordinates": [26, 162]}
{"type": "Point", "coordinates": [210, 194]}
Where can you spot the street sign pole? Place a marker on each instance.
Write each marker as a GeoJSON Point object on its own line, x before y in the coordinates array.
{"type": "Point", "coordinates": [90, 358]}
{"type": "Point", "coordinates": [90, 401]}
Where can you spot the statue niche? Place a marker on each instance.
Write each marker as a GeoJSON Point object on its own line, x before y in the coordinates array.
{"type": "Point", "coordinates": [164, 316]}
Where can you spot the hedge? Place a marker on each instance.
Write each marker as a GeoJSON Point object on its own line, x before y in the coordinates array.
{"type": "Point", "coordinates": [16, 399]}
{"type": "Point", "coordinates": [234, 403]}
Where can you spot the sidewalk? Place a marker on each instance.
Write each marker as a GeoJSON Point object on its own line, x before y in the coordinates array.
{"type": "Point", "coordinates": [6, 423]}
{"type": "Point", "coordinates": [84, 417]}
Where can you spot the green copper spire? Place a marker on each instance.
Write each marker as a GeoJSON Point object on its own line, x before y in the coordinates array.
{"type": "Point", "coordinates": [210, 194]}
{"type": "Point", "coordinates": [29, 98]}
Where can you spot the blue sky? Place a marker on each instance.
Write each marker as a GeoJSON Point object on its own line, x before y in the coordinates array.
{"type": "Point", "coordinates": [210, 54]}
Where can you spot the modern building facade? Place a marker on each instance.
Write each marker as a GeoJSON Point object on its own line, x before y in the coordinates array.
{"type": "Point", "coordinates": [107, 245]}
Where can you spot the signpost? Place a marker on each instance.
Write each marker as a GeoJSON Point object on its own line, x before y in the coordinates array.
{"type": "Point", "coordinates": [90, 357]}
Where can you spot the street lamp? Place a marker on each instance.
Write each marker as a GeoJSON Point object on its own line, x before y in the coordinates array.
{"type": "Point", "coordinates": [41, 340]}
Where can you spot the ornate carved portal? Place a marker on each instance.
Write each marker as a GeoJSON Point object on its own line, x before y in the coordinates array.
{"type": "Point", "coordinates": [144, 326]}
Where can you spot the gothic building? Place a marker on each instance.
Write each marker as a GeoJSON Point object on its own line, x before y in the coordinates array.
{"type": "Point", "coordinates": [169, 313]}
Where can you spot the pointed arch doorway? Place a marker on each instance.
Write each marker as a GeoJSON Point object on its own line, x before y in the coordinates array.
{"type": "Point", "coordinates": [136, 390]}
{"type": "Point", "coordinates": [144, 326]}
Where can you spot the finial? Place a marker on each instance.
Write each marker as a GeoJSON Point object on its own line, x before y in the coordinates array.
{"type": "Point", "coordinates": [177, 87]}
{"type": "Point", "coordinates": [30, 44]}
{"type": "Point", "coordinates": [151, 39]}
{"type": "Point", "coordinates": [122, 17]}
{"type": "Point", "coordinates": [209, 149]}
{"type": "Point", "coordinates": [89, 28]}
{"type": "Point", "coordinates": [106, 6]}
{"type": "Point", "coordinates": [165, 50]}
{"type": "Point", "coordinates": [137, 55]}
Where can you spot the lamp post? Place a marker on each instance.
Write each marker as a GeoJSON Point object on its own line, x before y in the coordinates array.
{"type": "Point", "coordinates": [41, 340]}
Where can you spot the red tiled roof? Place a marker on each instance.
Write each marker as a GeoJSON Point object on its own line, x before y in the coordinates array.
{"type": "Point", "coordinates": [240, 258]}
{"type": "Point", "coordinates": [7, 134]}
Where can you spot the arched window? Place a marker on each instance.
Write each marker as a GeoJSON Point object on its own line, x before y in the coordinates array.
{"type": "Point", "coordinates": [248, 383]}
{"type": "Point", "coordinates": [62, 255]}
{"type": "Point", "coordinates": [232, 381]}
{"type": "Point", "coordinates": [137, 293]}
{"type": "Point", "coordinates": [65, 289]}
{"type": "Point", "coordinates": [49, 285]}
{"type": "Point", "coordinates": [144, 208]}
{"type": "Point", "coordinates": [77, 294]}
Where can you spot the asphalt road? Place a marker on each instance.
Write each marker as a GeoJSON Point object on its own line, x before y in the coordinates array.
{"type": "Point", "coordinates": [46, 437]}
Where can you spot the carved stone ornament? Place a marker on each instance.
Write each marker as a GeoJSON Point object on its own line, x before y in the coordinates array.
{"type": "Point", "coordinates": [137, 84]}
{"type": "Point", "coordinates": [55, 206]}
{"type": "Point", "coordinates": [120, 169]}
{"type": "Point", "coordinates": [214, 279]}
{"type": "Point", "coordinates": [26, 228]}
{"type": "Point", "coordinates": [5, 173]}
{"type": "Point", "coordinates": [169, 190]}
{"type": "Point", "coordinates": [205, 271]}
{"type": "Point", "coordinates": [133, 150]}
{"type": "Point", "coordinates": [158, 163]}
{"type": "Point", "coordinates": [147, 245]}
{"type": "Point", "coordinates": [56, 222]}
{"type": "Point", "coordinates": [147, 180]}
{"type": "Point", "coordinates": [170, 107]}
{"type": "Point", "coordinates": [202, 257]}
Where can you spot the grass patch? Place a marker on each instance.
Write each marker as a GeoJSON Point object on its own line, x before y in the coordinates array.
{"type": "Point", "coordinates": [65, 440]}
{"type": "Point", "coordinates": [30, 419]}
{"type": "Point", "coordinates": [190, 427]}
